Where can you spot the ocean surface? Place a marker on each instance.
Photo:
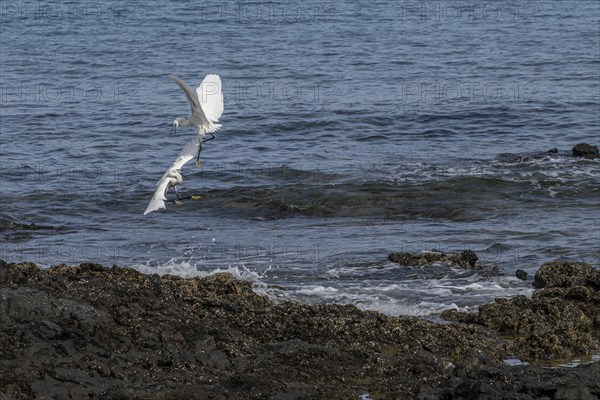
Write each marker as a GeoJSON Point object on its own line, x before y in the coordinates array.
{"type": "Point", "coordinates": [351, 130]}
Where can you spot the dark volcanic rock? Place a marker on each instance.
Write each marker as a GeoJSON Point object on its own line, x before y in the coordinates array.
{"type": "Point", "coordinates": [561, 320]}
{"type": "Point", "coordinates": [521, 382]}
{"type": "Point", "coordinates": [565, 274]}
{"type": "Point", "coordinates": [456, 316]}
{"type": "Point", "coordinates": [586, 150]}
{"type": "Point", "coordinates": [114, 333]}
{"type": "Point", "coordinates": [522, 275]}
{"type": "Point", "coordinates": [466, 259]}
{"type": "Point", "coordinates": [117, 333]}
{"type": "Point", "coordinates": [543, 328]}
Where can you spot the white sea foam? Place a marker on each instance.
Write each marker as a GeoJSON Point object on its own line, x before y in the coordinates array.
{"type": "Point", "coordinates": [415, 297]}
{"type": "Point", "coordinates": [539, 171]}
{"type": "Point", "coordinates": [318, 290]}
{"type": "Point", "coordinates": [189, 269]}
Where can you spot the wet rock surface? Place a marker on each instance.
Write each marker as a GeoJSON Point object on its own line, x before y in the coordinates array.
{"type": "Point", "coordinates": [466, 259]}
{"type": "Point", "coordinates": [563, 274]}
{"type": "Point", "coordinates": [586, 151]}
{"type": "Point", "coordinates": [114, 333]}
{"type": "Point", "coordinates": [522, 275]}
{"type": "Point", "coordinates": [561, 320]}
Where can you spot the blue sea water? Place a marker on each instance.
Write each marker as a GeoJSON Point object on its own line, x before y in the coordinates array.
{"type": "Point", "coordinates": [351, 130]}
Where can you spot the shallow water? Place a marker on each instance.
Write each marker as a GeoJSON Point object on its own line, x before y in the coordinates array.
{"type": "Point", "coordinates": [350, 130]}
{"type": "Point", "coordinates": [566, 363]}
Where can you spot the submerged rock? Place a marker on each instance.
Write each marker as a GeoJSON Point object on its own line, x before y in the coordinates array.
{"type": "Point", "coordinates": [15, 231]}
{"type": "Point", "coordinates": [522, 275]}
{"type": "Point", "coordinates": [586, 150]}
{"type": "Point", "coordinates": [114, 333]}
{"type": "Point", "coordinates": [466, 259]}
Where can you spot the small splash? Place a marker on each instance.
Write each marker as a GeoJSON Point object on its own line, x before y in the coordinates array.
{"type": "Point", "coordinates": [189, 269]}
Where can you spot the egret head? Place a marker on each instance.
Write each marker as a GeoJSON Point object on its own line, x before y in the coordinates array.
{"type": "Point", "coordinates": [174, 173]}
{"type": "Point", "coordinates": [176, 123]}
{"type": "Point", "coordinates": [178, 175]}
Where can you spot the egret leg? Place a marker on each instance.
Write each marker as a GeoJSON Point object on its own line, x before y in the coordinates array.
{"type": "Point", "coordinates": [178, 202]}
{"type": "Point", "coordinates": [192, 197]}
{"type": "Point", "coordinates": [198, 155]}
{"type": "Point", "coordinates": [200, 148]}
{"type": "Point", "coordinates": [210, 138]}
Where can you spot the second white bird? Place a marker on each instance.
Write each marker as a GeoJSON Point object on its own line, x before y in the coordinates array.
{"type": "Point", "coordinates": [172, 178]}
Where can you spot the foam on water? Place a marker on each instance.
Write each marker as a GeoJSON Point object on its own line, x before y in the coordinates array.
{"type": "Point", "coordinates": [373, 300]}
{"type": "Point", "coordinates": [545, 172]}
{"type": "Point", "coordinates": [415, 297]}
{"type": "Point", "coordinates": [189, 269]}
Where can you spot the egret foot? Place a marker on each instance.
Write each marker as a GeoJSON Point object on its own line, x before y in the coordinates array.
{"type": "Point", "coordinates": [196, 197]}
{"type": "Point", "coordinates": [198, 163]}
{"type": "Point", "coordinates": [177, 202]}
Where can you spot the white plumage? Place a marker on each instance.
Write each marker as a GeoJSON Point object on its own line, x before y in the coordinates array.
{"type": "Point", "coordinates": [211, 98]}
{"type": "Point", "coordinates": [172, 178]}
{"type": "Point", "coordinates": [206, 104]}
{"type": "Point", "coordinates": [206, 107]}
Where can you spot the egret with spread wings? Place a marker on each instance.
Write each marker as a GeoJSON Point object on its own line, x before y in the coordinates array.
{"type": "Point", "coordinates": [173, 178]}
{"type": "Point", "coordinates": [206, 105]}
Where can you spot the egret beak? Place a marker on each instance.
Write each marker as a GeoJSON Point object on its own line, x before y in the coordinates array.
{"type": "Point", "coordinates": [173, 130]}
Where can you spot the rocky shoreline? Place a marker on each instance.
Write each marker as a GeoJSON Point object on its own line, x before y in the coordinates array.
{"type": "Point", "coordinates": [113, 333]}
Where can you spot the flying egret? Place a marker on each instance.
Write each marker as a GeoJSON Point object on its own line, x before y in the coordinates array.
{"type": "Point", "coordinates": [173, 178]}
{"type": "Point", "coordinates": [206, 105]}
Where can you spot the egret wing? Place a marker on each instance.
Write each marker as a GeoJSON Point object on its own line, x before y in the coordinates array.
{"type": "Point", "coordinates": [210, 95]}
{"type": "Point", "coordinates": [187, 153]}
{"type": "Point", "coordinates": [159, 198]}
{"type": "Point", "coordinates": [189, 93]}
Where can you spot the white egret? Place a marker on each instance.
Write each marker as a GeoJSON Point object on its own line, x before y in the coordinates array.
{"type": "Point", "coordinates": [206, 105]}
{"type": "Point", "coordinates": [173, 178]}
